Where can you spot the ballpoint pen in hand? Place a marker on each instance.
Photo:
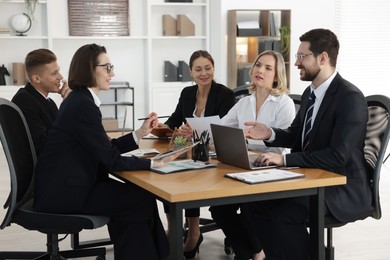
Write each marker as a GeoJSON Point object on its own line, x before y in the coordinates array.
{"type": "Point", "coordinates": [146, 118]}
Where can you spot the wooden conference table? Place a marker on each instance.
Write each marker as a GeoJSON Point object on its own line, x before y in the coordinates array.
{"type": "Point", "coordinates": [207, 187]}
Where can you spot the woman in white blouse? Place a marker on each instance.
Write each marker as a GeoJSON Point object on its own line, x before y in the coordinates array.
{"type": "Point", "coordinates": [269, 102]}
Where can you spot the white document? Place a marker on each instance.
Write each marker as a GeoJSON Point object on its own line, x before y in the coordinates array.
{"type": "Point", "coordinates": [199, 124]}
{"type": "Point", "coordinates": [142, 152]}
{"type": "Point", "coordinates": [261, 176]}
{"type": "Point", "coordinates": [183, 165]}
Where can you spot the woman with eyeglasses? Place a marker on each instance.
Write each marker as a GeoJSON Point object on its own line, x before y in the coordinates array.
{"type": "Point", "coordinates": [72, 170]}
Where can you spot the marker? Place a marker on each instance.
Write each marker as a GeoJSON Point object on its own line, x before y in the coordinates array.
{"type": "Point", "coordinates": [146, 118]}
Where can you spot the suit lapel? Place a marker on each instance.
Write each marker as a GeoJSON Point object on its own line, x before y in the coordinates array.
{"type": "Point", "coordinates": [326, 102]}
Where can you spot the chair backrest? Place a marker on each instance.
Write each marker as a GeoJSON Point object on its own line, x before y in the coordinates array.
{"type": "Point", "coordinates": [297, 101]}
{"type": "Point", "coordinates": [377, 138]}
{"type": "Point", "coordinates": [240, 92]}
{"type": "Point", "coordinates": [20, 155]}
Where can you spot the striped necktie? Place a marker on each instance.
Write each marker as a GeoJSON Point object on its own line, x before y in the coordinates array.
{"type": "Point", "coordinates": [308, 121]}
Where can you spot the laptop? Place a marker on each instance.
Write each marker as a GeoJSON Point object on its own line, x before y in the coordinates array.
{"type": "Point", "coordinates": [231, 148]}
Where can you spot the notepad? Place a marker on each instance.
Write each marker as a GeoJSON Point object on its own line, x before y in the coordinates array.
{"type": "Point", "coordinates": [183, 165]}
{"type": "Point", "coordinates": [262, 176]}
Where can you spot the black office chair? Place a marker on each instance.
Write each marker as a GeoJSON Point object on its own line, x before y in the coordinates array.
{"type": "Point", "coordinates": [240, 92]}
{"type": "Point", "coordinates": [297, 101]}
{"type": "Point", "coordinates": [20, 154]}
{"type": "Point", "coordinates": [377, 138]}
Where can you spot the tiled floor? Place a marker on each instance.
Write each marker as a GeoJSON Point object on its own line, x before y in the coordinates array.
{"type": "Point", "coordinates": [363, 240]}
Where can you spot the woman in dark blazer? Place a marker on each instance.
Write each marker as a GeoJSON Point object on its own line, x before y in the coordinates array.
{"type": "Point", "coordinates": [206, 98]}
{"type": "Point", "coordinates": [72, 171]}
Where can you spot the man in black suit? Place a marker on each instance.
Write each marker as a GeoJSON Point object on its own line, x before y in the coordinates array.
{"type": "Point", "coordinates": [335, 142]}
{"type": "Point", "coordinates": [39, 110]}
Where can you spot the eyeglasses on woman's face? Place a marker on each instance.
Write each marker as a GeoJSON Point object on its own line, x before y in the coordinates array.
{"type": "Point", "coordinates": [109, 67]}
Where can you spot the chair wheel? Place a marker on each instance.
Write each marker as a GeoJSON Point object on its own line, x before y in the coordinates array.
{"type": "Point", "coordinates": [227, 248]}
{"type": "Point", "coordinates": [101, 257]}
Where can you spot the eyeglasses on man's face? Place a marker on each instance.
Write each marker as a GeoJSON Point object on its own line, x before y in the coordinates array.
{"type": "Point", "coordinates": [109, 67]}
{"type": "Point", "coordinates": [301, 56]}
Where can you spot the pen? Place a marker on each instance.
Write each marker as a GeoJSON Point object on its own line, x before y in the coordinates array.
{"type": "Point", "coordinates": [146, 118]}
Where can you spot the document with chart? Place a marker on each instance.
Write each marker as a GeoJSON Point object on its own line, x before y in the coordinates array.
{"type": "Point", "coordinates": [267, 175]}
{"type": "Point", "coordinates": [183, 165]}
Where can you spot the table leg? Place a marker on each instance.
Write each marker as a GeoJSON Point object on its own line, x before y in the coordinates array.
{"type": "Point", "coordinates": [317, 225]}
{"type": "Point", "coordinates": [175, 232]}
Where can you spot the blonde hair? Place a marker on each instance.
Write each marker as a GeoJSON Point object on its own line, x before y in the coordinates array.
{"type": "Point", "coordinates": [280, 83]}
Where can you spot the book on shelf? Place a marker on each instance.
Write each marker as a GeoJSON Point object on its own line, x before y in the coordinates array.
{"type": "Point", "coordinates": [267, 175]}
{"type": "Point", "coordinates": [272, 25]}
{"type": "Point", "coordinates": [5, 31]}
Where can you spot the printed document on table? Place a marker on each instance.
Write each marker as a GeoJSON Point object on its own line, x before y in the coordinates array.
{"type": "Point", "coordinates": [183, 165]}
{"type": "Point", "coordinates": [142, 152]}
{"type": "Point", "coordinates": [267, 175]}
{"type": "Point", "coordinates": [199, 124]}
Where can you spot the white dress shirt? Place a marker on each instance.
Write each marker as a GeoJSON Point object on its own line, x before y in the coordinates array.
{"type": "Point", "coordinates": [277, 111]}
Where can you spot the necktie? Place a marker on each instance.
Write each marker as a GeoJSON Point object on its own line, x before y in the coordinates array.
{"type": "Point", "coordinates": [308, 121]}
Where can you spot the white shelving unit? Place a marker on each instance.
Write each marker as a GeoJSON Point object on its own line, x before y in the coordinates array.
{"type": "Point", "coordinates": [163, 96]}
{"type": "Point", "coordinates": [138, 58]}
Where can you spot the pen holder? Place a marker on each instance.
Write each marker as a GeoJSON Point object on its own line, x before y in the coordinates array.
{"type": "Point", "coordinates": [200, 152]}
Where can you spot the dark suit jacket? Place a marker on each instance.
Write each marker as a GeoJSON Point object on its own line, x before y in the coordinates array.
{"type": "Point", "coordinates": [219, 102]}
{"type": "Point", "coordinates": [76, 147]}
{"type": "Point", "coordinates": [336, 144]}
{"type": "Point", "coordinates": [38, 111]}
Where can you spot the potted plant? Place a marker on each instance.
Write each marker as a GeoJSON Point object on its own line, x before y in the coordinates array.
{"type": "Point", "coordinates": [30, 6]}
{"type": "Point", "coordinates": [178, 143]}
{"type": "Point", "coordinates": [285, 41]}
